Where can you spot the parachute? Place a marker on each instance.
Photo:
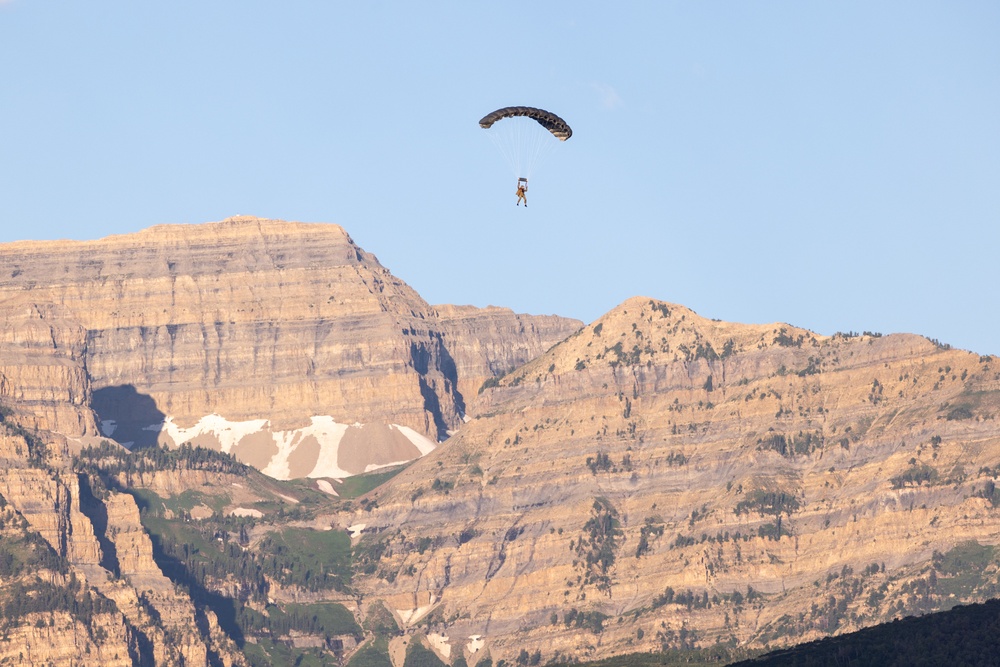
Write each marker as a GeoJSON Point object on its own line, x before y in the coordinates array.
{"type": "Point", "coordinates": [551, 122]}
{"type": "Point", "coordinates": [525, 135]}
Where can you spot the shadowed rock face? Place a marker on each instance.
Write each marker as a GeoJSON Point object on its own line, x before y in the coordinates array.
{"type": "Point", "coordinates": [247, 319]}
{"type": "Point", "coordinates": [124, 415]}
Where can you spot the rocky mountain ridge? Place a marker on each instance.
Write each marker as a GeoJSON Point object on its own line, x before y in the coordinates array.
{"type": "Point", "coordinates": [653, 481]}
{"type": "Point", "coordinates": [662, 481]}
{"type": "Point", "coordinates": [193, 332]}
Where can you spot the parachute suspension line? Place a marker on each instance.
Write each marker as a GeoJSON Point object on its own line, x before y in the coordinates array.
{"type": "Point", "coordinates": [528, 133]}
{"type": "Point", "coordinates": [524, 136]}
{"type": "Point", "coordinates": [524, 132]}
{"type": "Point", "coordinates": [518, 139]}
{"type": "Point", "coordinates": [512, 140]}
{"type": "Point", "coordinates": [522, 143]}
{"type": "Point", "coordinates": [540, 147]}
{"type": "Point", "coordinates": [505, 149]}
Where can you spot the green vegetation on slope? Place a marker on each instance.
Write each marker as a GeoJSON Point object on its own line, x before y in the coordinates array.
{"type": "Point", "coordinates": [23, 551]}
{"type": "Point", "coordinates": [21, 598]}
{"type": "Point", "coordinates": [266, 653]}
{"type": "Point", "coordinates": [708, 657]}
{"type": "Point", "coordinates": [310, 559]}
{"type": "Point", "coordinates": [112, 459]}
{"type": "Point", "coordinates": [358, 485]}
{"type": "Point", "coordinates": [373, 654]}
{"type": "Point", "coordinates": [215, 556]}
{"type": "Point", "coordinates": [25, 558]}
{"type": "Point", "coordinates": [418, 655]}
{"type": "Point", "coordinates": [208, 555]}
{"type": "Point", "coordinates": [598, 548]}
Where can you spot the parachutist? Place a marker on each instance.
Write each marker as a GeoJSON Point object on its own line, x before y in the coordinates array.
{"type": "Point", "coordinates": [523, 138]}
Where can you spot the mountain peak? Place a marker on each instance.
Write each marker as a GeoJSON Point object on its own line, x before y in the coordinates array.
{"type": "Point", "coordinates": [663, 468]}
{"type": "Point", "coordinates": [646, 331]}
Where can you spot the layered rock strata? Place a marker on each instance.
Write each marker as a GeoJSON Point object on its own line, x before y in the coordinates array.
{"type": "Point", "coordinates": [43, 366]}
{"type": "Point", "coordinates": [245, 322]}
{"type": "Point", "coordinates": [107, 548]}
{"type": "Point", "coordinates": [660, 480]}
{"type": "Point", "coordinates": [60, 640]}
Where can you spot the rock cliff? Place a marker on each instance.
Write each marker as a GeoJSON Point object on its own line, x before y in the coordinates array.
{"type": "Point", "coordinates": [660, 480]}
{"type": "Point", "coordinates": [43, 366]}
{"type": "Point", "coordinates": [652, 481]}
{"type": "Point", "coordinates": [140, 617]}
{"type": "Point", "coordinates": [61, 640]}
{"type": "Point", "coordinates": [263, 338]}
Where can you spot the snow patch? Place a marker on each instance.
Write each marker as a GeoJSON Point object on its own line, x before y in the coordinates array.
{"type": "Point", "coordinates": [323, 428]}
{"type": "Point", "coordinates": [378, 466]}
{"type": "Point", "coordinates": [356, 529]}
{"type": "Point", "coordinates": [439, 643]}
{"type": "Point", "coordinates": [245, 511]}
{"type": "Point", "coordinates": [226, 432]}
{"type": "Point", "coordinates": [326, 487]}
{"type": "Point", "coordinates": [329, 434]}
{"type": "Point", "coordinates": [409, 616]}
{"type": "Point", "coordinates": [200, 512]}
{"type": "Point", "coordinates": [421, 442]}
{"type": "Point", "coordinates": [476, 642]}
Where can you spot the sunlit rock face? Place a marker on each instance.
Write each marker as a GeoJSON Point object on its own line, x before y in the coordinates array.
{"type": "Point", "coordinates": [286, 333]}
{"type": "Point", "coordinates": [113, 557]}
{"type": "Point", "coordinates": [694, 482]}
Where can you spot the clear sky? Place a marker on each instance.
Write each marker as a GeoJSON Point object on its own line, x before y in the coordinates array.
{"type": "Point", "coordinates": [833, 165]}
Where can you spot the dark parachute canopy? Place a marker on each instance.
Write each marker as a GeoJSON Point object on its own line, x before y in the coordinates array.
{"type": "Point", "coordinates": [551, 122]}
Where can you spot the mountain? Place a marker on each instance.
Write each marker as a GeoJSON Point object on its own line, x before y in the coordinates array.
{"type": "Point", "coordinates": [282, 343]}
{"type": "Point", "coordinates": [661, 481]}
{"type": "Point", "coordinates": [653, 482]}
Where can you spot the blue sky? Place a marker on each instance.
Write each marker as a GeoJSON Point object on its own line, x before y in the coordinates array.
{"type": "Point", "coordinates": [831, 165]}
